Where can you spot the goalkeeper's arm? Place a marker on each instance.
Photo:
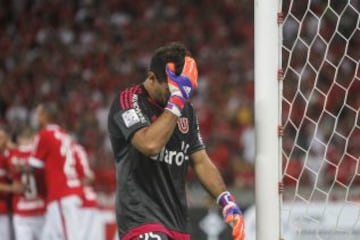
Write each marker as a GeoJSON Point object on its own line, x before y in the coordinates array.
{"type": "Point", "coordinates": [211, 179]}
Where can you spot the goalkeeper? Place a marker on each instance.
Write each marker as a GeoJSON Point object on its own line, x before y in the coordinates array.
{"type": "Point", "coordinates": [155, 138]}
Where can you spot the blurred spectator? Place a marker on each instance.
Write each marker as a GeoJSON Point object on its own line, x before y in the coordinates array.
{"type": "Point", "coordinates": [80, 52]}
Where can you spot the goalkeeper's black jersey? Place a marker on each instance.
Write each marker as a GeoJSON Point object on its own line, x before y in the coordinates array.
{"type": "Point", "coordinates": [150, 190]}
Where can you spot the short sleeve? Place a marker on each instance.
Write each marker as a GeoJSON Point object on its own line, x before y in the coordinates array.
{"type": "Point", "coordinates": [3, 166]}
{"type": "Point", "coordinates": [127, 113]}
{"type": "Point", "coordinates": [196, 141]}
{"type": "Point", "coordinates": [40, 150]}
{"type": "Point", "coordinates": [129, 121]}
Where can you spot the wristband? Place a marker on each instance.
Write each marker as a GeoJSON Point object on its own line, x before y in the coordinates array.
{"type": "Point", "coordinates": [175, 105]}
{"type": "Point", "coordinates": [225, 198]}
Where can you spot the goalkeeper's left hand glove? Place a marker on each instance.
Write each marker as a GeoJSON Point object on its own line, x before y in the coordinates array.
{"type": "Point", "coordinates": [232, 215]}
{"type": "Point", "coordinates": [181, 86]}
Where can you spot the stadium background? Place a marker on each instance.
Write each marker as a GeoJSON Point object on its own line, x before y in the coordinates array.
{"type": "Point", "coordinates": [78, 53]}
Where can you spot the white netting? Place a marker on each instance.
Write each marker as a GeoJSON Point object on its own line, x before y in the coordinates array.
{"type": "Point", "coordinates": [320, 116]}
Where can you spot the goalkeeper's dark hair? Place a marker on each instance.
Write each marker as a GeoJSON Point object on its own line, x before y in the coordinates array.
{"type": "Point", "coordinates": [174, 52]}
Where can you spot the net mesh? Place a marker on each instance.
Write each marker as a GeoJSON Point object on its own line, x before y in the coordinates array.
{"type": "Point", "coordinates": [320, 118]}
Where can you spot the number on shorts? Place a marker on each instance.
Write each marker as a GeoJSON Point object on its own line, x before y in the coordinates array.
{"type": "Point", "coordinates": [150, 236]}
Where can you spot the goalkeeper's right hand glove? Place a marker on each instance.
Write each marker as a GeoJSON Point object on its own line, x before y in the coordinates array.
{"type": "Point", "coordinates": [181, 86]}
{"type": "Point", "coordinates": [232, 215]}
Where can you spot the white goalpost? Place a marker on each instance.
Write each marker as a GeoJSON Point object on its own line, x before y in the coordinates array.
{"type": "Point", "coordinates": [307, 119]}
{"type": "Point", "coordinates": [267, 170]}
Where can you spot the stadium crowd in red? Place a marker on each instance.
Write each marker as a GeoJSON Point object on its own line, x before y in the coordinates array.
{"type": "Point", "coordinates": [78, 53]}
{"type": "Point", "coordinates": [321, 100]}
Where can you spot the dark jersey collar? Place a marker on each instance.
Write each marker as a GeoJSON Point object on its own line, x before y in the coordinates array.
{"type": "Point", "coordinates": [150, 99]}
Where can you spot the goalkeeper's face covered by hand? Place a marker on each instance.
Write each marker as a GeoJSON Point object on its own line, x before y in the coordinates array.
{"type": "Point", "coordinates": [160, 92]}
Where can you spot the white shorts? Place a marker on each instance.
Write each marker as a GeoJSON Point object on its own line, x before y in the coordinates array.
{"type": "Point", "coordinates": [5, 229]}
{"type": "Point", "coordinates": [62, 220]}
{"type": "Point", "coordinates": [90, 224]}
{"type": "Point", "coordinates": [29, 227]}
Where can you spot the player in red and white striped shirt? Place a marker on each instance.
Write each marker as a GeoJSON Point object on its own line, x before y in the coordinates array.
{"type": "Point", "coordinates": [6, 188]}
{"type": "Point", "coordinates": [89, 210]}
{"type": "Point", "coordinates": [28, 207]}
{"type": "Point", "coordinates": [53, 154]}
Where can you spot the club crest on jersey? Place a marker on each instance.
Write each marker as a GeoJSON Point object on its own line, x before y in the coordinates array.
{"type": "Point", "coordinates": [183, 125]}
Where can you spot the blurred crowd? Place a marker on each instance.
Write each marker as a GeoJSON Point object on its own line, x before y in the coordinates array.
{"type": "Point", "coordinates": [321, 96]}
{"type": "Point", "coordinates": [79, 53]}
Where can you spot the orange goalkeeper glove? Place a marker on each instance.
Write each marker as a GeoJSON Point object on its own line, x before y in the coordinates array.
{"type": "Point", "coordinates": [232, 215]}
{"type": "Point", "coordinates": [181, 86]}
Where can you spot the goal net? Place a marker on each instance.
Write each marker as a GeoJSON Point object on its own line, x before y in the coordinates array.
{"type": "Point", "coordinates": [320, 129]}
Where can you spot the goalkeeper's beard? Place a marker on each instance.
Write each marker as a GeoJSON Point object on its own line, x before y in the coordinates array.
{"type": "Point", "coordinates": [161, 97]}
{"type": "Point", "coordinates": [165, 101]}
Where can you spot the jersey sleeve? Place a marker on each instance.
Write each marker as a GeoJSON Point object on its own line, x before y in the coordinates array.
{"type": "Point", "coordinates": [10, 161]}
{"type": "Point", "coordinates": [3, 165]}
{"type": "Point", "coordinates": [40, 149]}
{"type": "Point", "coordinates": [196, 141]}
{"type": "Point", "coordinates": [129, 117]}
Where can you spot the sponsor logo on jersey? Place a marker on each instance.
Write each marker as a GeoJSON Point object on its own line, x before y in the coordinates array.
{"type": "Point", "coordinates": [183, 125]}
{"type": "Point", "coordinates": [130, 118]}
{"type": "Point", "coordinates": [174, 157]}
{"type": "Point", "coordinates": [137, 108]}
{"type": "Point", "coordinates": [133, 115]}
